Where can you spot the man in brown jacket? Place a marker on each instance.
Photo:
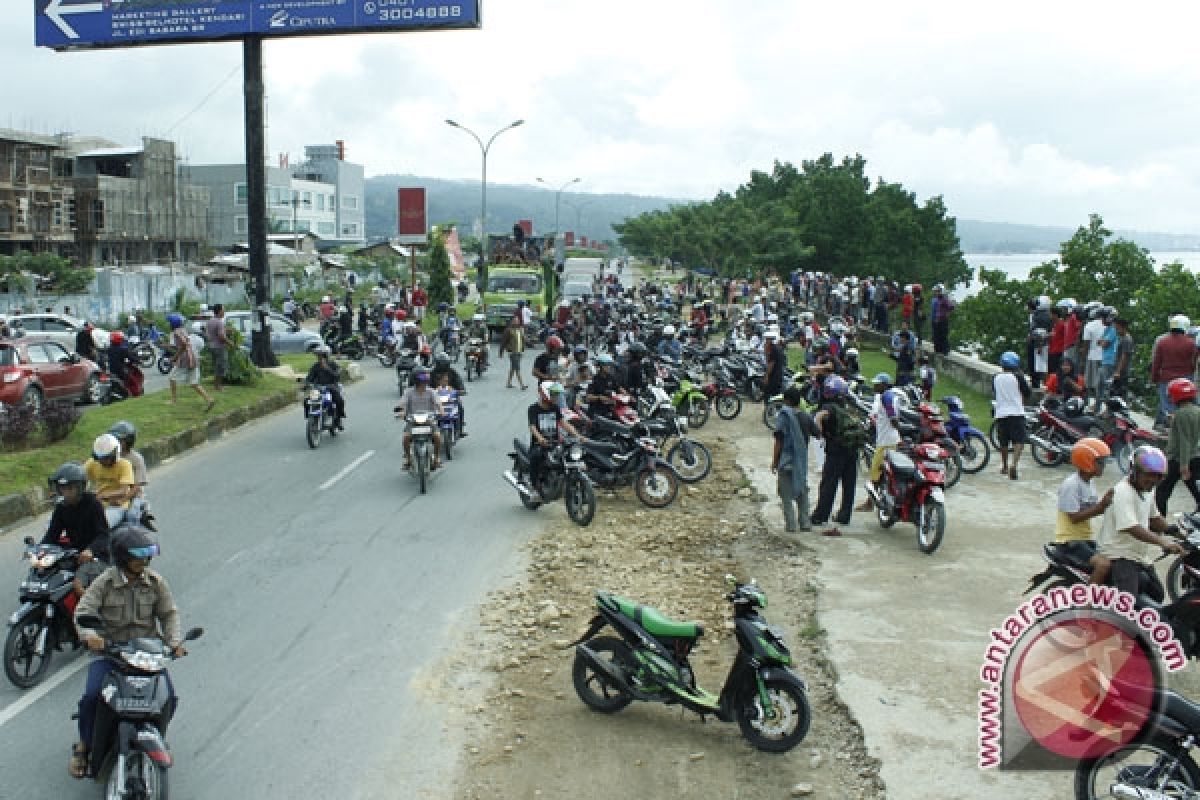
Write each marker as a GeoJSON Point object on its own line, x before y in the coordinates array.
{"type": "Point", "coordinates": [513, 343]}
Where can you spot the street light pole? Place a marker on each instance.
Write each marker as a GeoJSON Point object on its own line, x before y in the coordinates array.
{"type": "Point", "coordinates": [558, 196]}
{"type": "Point", "coordinates": [483, 149]}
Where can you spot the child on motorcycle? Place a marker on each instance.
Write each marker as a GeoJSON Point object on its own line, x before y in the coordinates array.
{"type": "Point", "coordinates": [1078, 504]}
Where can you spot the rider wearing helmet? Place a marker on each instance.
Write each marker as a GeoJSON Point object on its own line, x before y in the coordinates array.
{"type": "Point", "coordinates": [119, 361]}
{"type": "Point", "coordinates": [883, 414]}
{"type": "Point", "coordinates": [126, 434]}
{"type": "Point", "coordinates": [603, 385]}
{"type": "Point", "coordinates": [634, 377]}
{"type": "Point", "coordinates": [111, 476]}
{"type": "Point", "coordinates": [579, 364]}
{"type": "Point", "coordinates": [1133, 526]}
{"type": "Point", "coordinates": [442, 367]}
{"type": "Point", "coordinates": [1174, 356]}
{"type": "Point", "coordinates": [1078, 503]}
{"type": "Point", "coordinates": [835, 424]}
{"type": "Point", "coordinates": [78, 520]}
{"type": "Point", "coordinates": [1183, 444]}
{"type": "Point", "coordinates": [547, 366]}
{"type": "Point", "coordinates": [133, 601]}
{"type": "Point", "coordinates": [417, 400]}
{"type": "Point", "coordinates": [326, 372]}
{"type": "Point", "coordinates": [669, 346]}
{"type": "Point", "coordinates": [1009, 392]}
{"type": "Point", "coordinates": [545, 417]}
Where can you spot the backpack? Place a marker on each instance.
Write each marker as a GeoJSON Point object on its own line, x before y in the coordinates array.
{"type": "Point", "coordinates": [848, 429]}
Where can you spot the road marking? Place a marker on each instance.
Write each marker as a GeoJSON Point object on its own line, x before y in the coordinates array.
{"type": "Point", "coordinates": [347, 470]}
{"type": "Point", "coordinates": [235, 556]}
{"type": "Point", "coordinates": [58, 678]}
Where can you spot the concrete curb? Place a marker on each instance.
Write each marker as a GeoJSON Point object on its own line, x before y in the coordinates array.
{"type": "Point", "coordinates": [15, 508]}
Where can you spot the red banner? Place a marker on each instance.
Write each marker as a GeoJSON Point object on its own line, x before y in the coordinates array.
{"type": "Point", "coordinates": [527, 226]}
{"type": "Point", "coordinates": [412, 217]}
{"type": "Point", "coordinates": [569, 238]}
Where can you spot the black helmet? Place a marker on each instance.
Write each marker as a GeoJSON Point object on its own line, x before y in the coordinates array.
{"type": "Point", "coordinates": [130, 542]}
{"type": "Point", "coordinates": [68, 473]}
{"type": "Point", "coordinates": [638, 350]}
{"type": "Point", "coordinates": [125, 431]}
{"type": "Point", "coordinates": [442, 360]}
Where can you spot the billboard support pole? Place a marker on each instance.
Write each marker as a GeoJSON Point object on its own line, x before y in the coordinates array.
{"type": "Point", "coordinates": [256, 190]}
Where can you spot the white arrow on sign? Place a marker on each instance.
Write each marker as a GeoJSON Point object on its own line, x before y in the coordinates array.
{"type": "Point", "coordinates": [57, 9]}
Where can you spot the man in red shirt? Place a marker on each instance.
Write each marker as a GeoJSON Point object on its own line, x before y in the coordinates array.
{"type": "Point", "coordinates": [1058, 341]}
{"type": "Point", "coordinates": [906, 303]}
{"type": "Point", "coordinates": [1074, 327]}
{"type": "Point", "coordinates": [1174, 356]}
{"type": "Point", "coordinates": [419, 301]}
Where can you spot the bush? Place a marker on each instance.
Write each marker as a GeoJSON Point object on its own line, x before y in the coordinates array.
{"type": "Point", "coordinates": [242, 371]}
{"type": "Point", "coordinates": [17, 424]}
{"type": "Point", "coordinates": [59, 419]}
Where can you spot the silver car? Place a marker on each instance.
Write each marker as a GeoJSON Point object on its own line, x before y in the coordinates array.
{"type": "Point", "coordinates": [59, 327]}
{"type": "Point", "coordinates": [286, 336]}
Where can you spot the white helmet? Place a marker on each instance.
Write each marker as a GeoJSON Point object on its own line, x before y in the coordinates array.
{"type": "Point", "coordinates": [806, 317]}
{"type": "Point", "coordinates": [1043, 303]}
{"type": "Point", "coordinates": [326, 299]}
{"type": "Point", "coordinates": [851, 352]}
{"type": "Point", "coordinates": [771, 335]}
{"type": "Point", "coordinates": [1179, 322]}
{"type": "Point", "coordinates": [1066, 303]}
{"type": "Point", "coordinates": [668, 330]}
{"type": "Point", "coordinates": [105, 446]}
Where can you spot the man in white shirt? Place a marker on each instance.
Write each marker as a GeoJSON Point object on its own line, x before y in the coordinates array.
{"type": "Point", "coordinates": [887, 437]}
{"type": "Point", "coordinates": [1009, 390]}
{"type": "Point", "coordinates": [1092, 336]}
{"type": "Point", "coordinates": [1133, 528]}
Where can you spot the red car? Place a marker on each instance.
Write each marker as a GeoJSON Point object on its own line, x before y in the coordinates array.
{"type": "Point", "coordinates": [35, 369]}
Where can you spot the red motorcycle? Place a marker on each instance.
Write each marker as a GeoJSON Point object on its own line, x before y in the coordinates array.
{"type": "Point", "coordinates": [1060, 425]}
{"type": "Point", "coordinates": [723, 397]}
{"type": "Point", "coordinates": [913, 490]}
{"type": "Point", "coordinates": [928, 426]}
{"type": "Point", "coordinates": [1117, 428]}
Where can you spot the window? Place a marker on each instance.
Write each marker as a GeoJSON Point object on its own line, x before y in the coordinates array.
{"type": "Point", "coordinates": [306, 199]}
{"type": "Point", "coordinates": [349, 201]}
{"type": "Point", "coordinates": [29, 323]}
{"type": "Point", "coordinates": [52, 325]}
{"type": "Point", "coordinates": [241, 224]}
{"type": "Point", "coordinates": [320, 202]}
{"type": "Point", "coordinates": [241, 194]}
{"type": "Point", "coordinates": [326, 229]}
{"type": "Point", "coordinates": [57, 353]}
{"type": "Point", "coordinates": [8, 357]}
{"type": "Point", "coordinates": [37, 354]}
{"type": "Point", "coordinates": [303, 225]}
{"type": "Point", "coordinates": [350, 229]}
{"type": "Point", "coordinates": [6, 218]}
{"type": "Point", "coordinates": [71, 213]}
{"type": "Point", "coordinates": [58, 213]}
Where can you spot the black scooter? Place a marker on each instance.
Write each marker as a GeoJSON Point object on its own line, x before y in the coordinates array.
{"type": "Point", "coordinates": [43, 622]}
{"type": "Point", "coordinates": [129, 737]}
{"type": "Point", "coordinates": [563, 475]}
{"type": "Point", "coordinates": [629, 456]}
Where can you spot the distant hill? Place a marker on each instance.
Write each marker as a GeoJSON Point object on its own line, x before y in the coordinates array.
{"type": "Point", "coordinates": [593, 215]}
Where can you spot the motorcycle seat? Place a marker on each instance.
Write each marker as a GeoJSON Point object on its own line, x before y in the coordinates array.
{"type": "Point", "coordinates": [605, 448]}
{"type": "Point", "coordinates": [1081, 422]}
{"type": "Point", "coordinates": [902, 465]}
{"type": "Point", "coordinates": [1056, 553]}
{"type": "Point", "coordinates": [656, 623]}
{"type": "Point", "coordinates": [607, 425]}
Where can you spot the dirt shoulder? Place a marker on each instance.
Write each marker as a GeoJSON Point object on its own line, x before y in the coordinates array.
{"type": "Point", "coordinates": [526, 734]}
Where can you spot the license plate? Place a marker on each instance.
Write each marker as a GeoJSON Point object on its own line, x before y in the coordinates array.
{"type": "Point", "coordinates": [422, 429]}
{"type": "Point", "coordinates": [937, 494]}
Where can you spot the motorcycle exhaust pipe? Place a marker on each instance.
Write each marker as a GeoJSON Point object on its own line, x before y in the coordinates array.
{"type": "Point", "coordinates": [605, 668]}
{"type": "Point", "coordinates": [516, 484]}
{"type": "Point", "coordinates": [1137, 792]}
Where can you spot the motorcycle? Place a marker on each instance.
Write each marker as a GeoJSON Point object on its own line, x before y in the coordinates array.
{"type": "Point", "coordinates": [973, 448]}
{"type": "Point", "coordinates": [648, 660]}
{"type": "Point", "coordinates": [166, 360]}
{"type": "Point", "coordinates": [43, 622]}
{"type": "Point", "coordinates": [349, 346]}
{"type": "Point", "coordinates": [1117, 428]}
{"type": "Point", "coordinates": [387, 353]}
{"type": "Point", "coordinates": [132, 385]}
{"type": "Point", "coordinates": [1183, 575]}
{"type": "Point", "coordinates": [563, 475]}
{"type": "Point", "coordinates": [129, 739]}
{"type": "Point", "coordinates": [406, 364]}
{"type": "Point", "coordinates": [451, 339]}
{"type": "Point", "coordinates": [691, 459]}
{"type": "Point", "coordinates": [448, 420]}
{"type": "Point", "coordinates": [1060, 426]}
{"type": "Point", "coordinates": [422, 446]}
{"type": "Point", "coordinates": [320, 415]}
{"type": "Point", "coordinates": [630, 456]}
{"type": "Point", "coordinates": [913, 490]}
{"type": "Point", "coordinates": [476, 357]}
{"type": "Point", "coordinates": [928, 427]}
{"type": "Point", "coordinates": [723, 396]}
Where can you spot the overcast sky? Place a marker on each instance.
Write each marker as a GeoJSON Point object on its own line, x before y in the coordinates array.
{"type": "Point", "coordinates": [1034, 112]}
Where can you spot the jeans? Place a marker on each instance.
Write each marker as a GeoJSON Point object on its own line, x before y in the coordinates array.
{"type": "Point", "coordinates": [1104, 384]}
{"type": "Point", "coordinates": [97, 671]}
{"type": "Point", "coordinates": [841, 467]}
{"type": "Point", "coordinates": [1165, 406]}
{"type": "Point", "coordinates": [793, 501]}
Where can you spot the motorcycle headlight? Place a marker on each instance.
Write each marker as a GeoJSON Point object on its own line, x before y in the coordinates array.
{"type": "Point", "coordinates": [314, 394]}
{"type": "Point", "coordinates": [575, 453]}
{"type": "Point", "coordinates": [146, 662]}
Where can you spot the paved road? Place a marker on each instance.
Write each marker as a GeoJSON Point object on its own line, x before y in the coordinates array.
{"type": "Point", "coordinates": [323, 593]}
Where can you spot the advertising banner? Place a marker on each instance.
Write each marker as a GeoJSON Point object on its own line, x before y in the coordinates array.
{"type": "Point", "coordinates": [569, 238]}
{"type": "Point", "coordinates": [412, 223]}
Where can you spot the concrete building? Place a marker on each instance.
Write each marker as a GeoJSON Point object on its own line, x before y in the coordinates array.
{"type": "Point", "coordinates": [323, 196]}
{"type": "Point", "coordinates": [37, 199]}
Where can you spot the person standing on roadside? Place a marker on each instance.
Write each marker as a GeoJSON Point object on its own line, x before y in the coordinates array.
{"type": "Point", "coordinates": [940, 314]}
{"type": "Point", "coordinates": [513, 343]}
{"type": "Point", "coordinates": [1183, 444]}
{"type": "Point", "coordinates": [844, 436]}
{"type": "Point", "coordinates": [218, 344]}
{"type": "Point", "coordinates": [186, 361]}
{"type": "Point", "coordinates": [1108, 359]}
{"type": "Point", "coordinates": [1092, 345]}
{"type": "Point", "coordinates": [776, 362]}
{"type": "Point", "coordinates": [793, 429]}
{"type": "Point", "coordinates": [1124, 357]}
{"type": "Point", "coordinates": [1174, 356]}
{"type": "Point", "coordinates": [419, 301]}
{"type": "Point", "coordinates": [1009, 389]}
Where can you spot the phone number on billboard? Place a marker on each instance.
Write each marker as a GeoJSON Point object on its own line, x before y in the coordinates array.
{"type": "Point", "coordinates": [433, 12]}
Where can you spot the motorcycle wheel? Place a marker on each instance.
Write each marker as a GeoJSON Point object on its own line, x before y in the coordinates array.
{"type": "Point", "coordinates": [448, 444]}
{"type": "Point", "coordinates": [1047, 458]}
{"type": "Point", "coordinates": [697, 412]}
{"type": "Point", "coordinates": [165, 364]}
{"type": "Point", "coordinates": [313, 432]}
{"type": "Point", "coordinates": [22, 665]}
{"type": "Point", "coordinates": [656, 488]}
{"type": "Point", "coordinates": [691, 468]}
{"type": "Point", "coordinates": [788, 722]}
{"type": "Point", "coordinates": [929, 534]}
{"type": "Point", "coordinates": [770, 414]}
{"type": "Point", "coordinates": [594, 688]}
{"type": "Point", "coordinates": [580, 499]}
{"type": "Point", "coordinates": [886, 520]}
{"type": "Point", "coordinates": [1144, 765]}
{"type": "Point", "coordinates": [975, 453]}
{"type": "Point", "coordinates": [1179, 580]}
{"type": "Point", "coordinates": [729, 406]}
{"type": "Point", "coordinates": [422, 471]}
{"type": "Point", "coordinates": [143, 778]}
{"type": "Point", "coordinates": [954, 468]}
{"type": "Point", "coordinates": [387, 361]}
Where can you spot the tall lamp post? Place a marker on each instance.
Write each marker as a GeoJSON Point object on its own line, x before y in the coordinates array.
{"type": "Point", "coordinates": [578, 209]}
{"type": "Point", "coordinates": [558, 196]}
{"type": "Point", "coordinates": [483, 149]}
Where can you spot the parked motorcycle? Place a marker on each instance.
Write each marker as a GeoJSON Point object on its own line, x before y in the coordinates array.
{"type": "Point", "coordinates": [320, 414]}
{"type": "Point", "coordinates": [1117, 428]}
{"type": "Point", "coordinates": [563, 475]}
{"type": "Point", "coordinates": [129, 739]}
{"type": "Point", "coordinates": [422, 446]}
{"type": "Point", "coordinates": [973, 448]}
{"type": "Point", "coordinates": [913, 490]}
{"type": "Point", "coordinates": [131, 385]}
{"type": "Point", "coordinates": [43, 622]}
{"type": "Point", "coordinates": [629, 456]}
{"type": "Point", "coordinates": [166, 359]}
{"type": "Point", "coordinates": [1060, 426]}
{"type": "Point", "coordinates": [648, 660]}
{"type": "Point", "coordinates": [1183, 575]}
{"type": "Point", "coordinates": [349, 346]}
{"type": "Point", "coordinates": [691, 459]}
{"type": "Point", "coordinates": [723, 396]}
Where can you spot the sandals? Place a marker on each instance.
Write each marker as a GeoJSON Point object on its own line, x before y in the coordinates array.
{"type": "Point", "coordinates": [78, 765]}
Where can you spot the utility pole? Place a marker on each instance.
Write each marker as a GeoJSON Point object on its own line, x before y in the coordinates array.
{"type": "Point", "coordinates": [256, 200]}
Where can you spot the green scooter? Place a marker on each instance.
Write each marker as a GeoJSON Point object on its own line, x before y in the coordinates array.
{"type": "Point", "coordinates": [648, 661]}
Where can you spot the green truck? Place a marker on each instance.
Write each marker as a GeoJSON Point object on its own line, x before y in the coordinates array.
{"type": "Point", "coordinates": [508, 283]}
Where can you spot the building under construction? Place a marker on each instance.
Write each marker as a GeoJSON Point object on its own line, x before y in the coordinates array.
{"type": "Point", "coordinates": [37, 203]}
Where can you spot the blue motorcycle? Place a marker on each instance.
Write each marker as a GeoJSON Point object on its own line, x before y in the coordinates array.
{"type": "Point", "coordinates": [320, 414]}
{"type": "Point", "coordinates": [448, 420]}
{"type": "Point", "coordinates": [973, 448]}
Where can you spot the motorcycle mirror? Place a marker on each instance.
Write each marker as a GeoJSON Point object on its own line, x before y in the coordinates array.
{"type": "Point", "coordinates": [29, 541]}
{"type": "Point", "coordinates": [90, 621]}
{"type": "Point", "coordinates": [193, 634]}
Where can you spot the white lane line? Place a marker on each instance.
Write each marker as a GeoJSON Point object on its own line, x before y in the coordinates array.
{"type": "Point", "coordinates": [235, 556]}
{"type": "Point", "coordinates": [55, 680]}
{"type": "Point", "coordinates": [347, 470]}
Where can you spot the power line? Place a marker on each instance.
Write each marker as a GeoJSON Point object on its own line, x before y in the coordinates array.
{"type": "Point", "coordinates": [207, 97]}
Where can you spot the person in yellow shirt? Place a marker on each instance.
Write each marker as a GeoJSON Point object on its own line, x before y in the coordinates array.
{"type": "Point", "coordinates": [111, 477]}
{"type": "Point", "coordinates": [1078, 503]}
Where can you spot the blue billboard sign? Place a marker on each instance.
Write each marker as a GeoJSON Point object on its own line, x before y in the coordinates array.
{"type": "Point", "coordinates": [79, 24]}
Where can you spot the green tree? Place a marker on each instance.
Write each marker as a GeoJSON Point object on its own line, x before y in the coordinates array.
{"type": "Point", "coordinates": [440, 290]}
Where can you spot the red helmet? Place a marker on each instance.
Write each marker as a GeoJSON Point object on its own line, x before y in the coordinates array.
{"type": "Point", "coordinates": [387, 312]}
{"type": "Point", "coordinates": [401, 314]}
{"type": "Point", "coordinates": [1181, 389]}
{"type": "Point", "coordinates": [425, 350]}
{"type": "Point", "coordinates": [116, 337]}
{"type": "Point", "coordinates": [554, 342]}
